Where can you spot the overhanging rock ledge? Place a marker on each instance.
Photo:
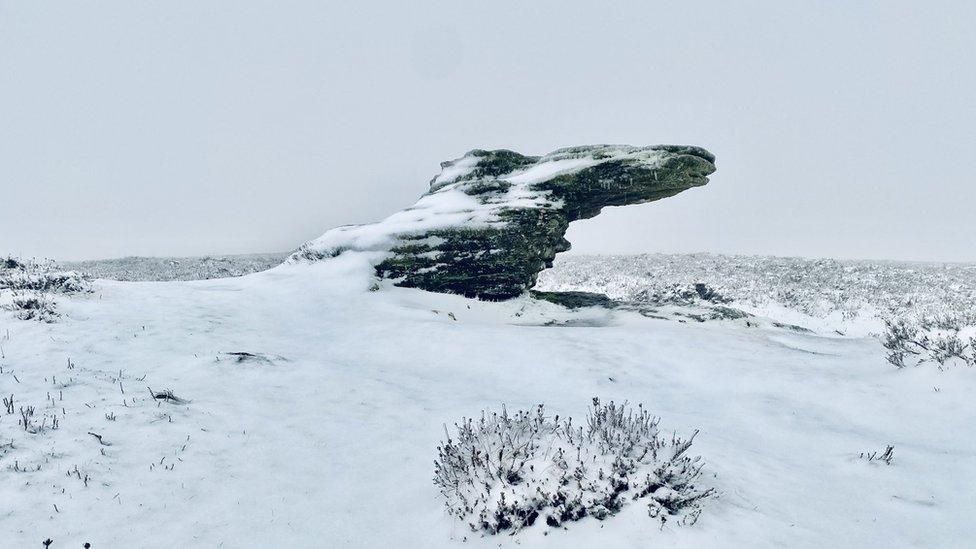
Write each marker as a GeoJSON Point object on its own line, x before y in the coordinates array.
{"type": "Point", "coordinates": [492, 220]}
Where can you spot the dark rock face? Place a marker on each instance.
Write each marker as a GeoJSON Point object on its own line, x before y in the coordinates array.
{"type": "Point", "coordinates": [575, 300]}
{"type": "Point", "coordinates": [492, 220]}
{"type": "Point", "coordinates": [496, 263]}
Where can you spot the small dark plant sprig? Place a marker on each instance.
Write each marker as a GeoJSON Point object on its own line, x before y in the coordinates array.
{"type": "Point", "coordinates": [26, 418]}
{"type": "Point", "coordinates": [884, 457]}
{"type": "Point", "coordinates": [166, 395]}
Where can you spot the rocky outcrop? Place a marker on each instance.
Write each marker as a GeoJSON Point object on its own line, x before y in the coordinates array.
{"type": "Point", "coordinates": [492, 220]}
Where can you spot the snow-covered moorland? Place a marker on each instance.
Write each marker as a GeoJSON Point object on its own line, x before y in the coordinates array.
{"type": "Point", "coordinates": [177, 268]}
{"type": "Point", "coordinates": [303, 407]}
{"type": "Point", "coordinates": [852, 296]}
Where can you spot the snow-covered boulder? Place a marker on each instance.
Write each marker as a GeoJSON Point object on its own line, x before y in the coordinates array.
{"type": "Point", "coordinates": [492, 220]}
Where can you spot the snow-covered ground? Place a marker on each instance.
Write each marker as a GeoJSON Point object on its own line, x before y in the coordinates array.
{"type": "Point", "coordinates": [327, 436]}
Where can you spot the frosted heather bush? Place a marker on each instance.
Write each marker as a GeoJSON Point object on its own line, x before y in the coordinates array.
{"type": "Point", "coordinates": [505, 472]}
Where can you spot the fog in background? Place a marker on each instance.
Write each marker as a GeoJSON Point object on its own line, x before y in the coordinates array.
{"type": "Point", "coordinates": [185, 128]}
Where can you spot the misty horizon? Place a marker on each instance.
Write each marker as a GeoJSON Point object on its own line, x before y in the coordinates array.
{"type": "Point", "coordinates": [138, 130]}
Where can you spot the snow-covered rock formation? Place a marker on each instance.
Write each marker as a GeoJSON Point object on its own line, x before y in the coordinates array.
{"type": "Point", "coordinates": [492, 220]}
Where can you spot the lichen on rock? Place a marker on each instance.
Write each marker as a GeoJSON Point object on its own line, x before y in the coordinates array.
{"type": "Point", "coordinates": [492, 220]}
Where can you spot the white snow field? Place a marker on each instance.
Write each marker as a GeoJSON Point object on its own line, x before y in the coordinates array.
{"type": "Point", "coordinates": [327, 436]}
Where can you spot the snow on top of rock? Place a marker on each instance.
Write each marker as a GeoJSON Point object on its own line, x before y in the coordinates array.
{"type": "Point", "coordinates": [573, 159]}
{"type": "Point", "coordinates": [547, 170]}
{"type": "Point", "coordinates": [444, 208]}
{"type": "Point", "coordinates": [453, 170]}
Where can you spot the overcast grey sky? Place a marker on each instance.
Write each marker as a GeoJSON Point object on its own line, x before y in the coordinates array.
{"type": "Point", "coordinates": [842, 129]}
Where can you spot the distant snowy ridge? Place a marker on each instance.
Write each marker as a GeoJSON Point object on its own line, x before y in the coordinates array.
{"type": "Point", "coordinates": [177, 268]}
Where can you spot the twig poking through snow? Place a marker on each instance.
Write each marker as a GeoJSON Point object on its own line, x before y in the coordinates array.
{"type": "Point", "coordinates": [99, 438]}
{"type": "Point", "coordinates": [166, 395]}
{"type": "Point", "coordinates": [886, 456]}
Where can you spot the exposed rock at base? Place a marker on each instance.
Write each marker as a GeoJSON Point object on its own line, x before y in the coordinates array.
{"type": "Point", "coordinates": [492, 220]}
{"type": "Point", "coordinates": [575, 300]}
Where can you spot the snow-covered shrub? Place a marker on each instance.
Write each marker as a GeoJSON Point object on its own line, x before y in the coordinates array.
{"type": "Point", "coordinates": [944, 340]}
{"type": "Point", "coordinates": [40, 277]}
{"type": "Point", "coordinates": [26, 288]}
{"type": "Point", "coordinates": [31, 305]}
{"type": "Point", "coordinates": [504, 472]}
{"type": "Point", "coordinates": [306, 252]}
